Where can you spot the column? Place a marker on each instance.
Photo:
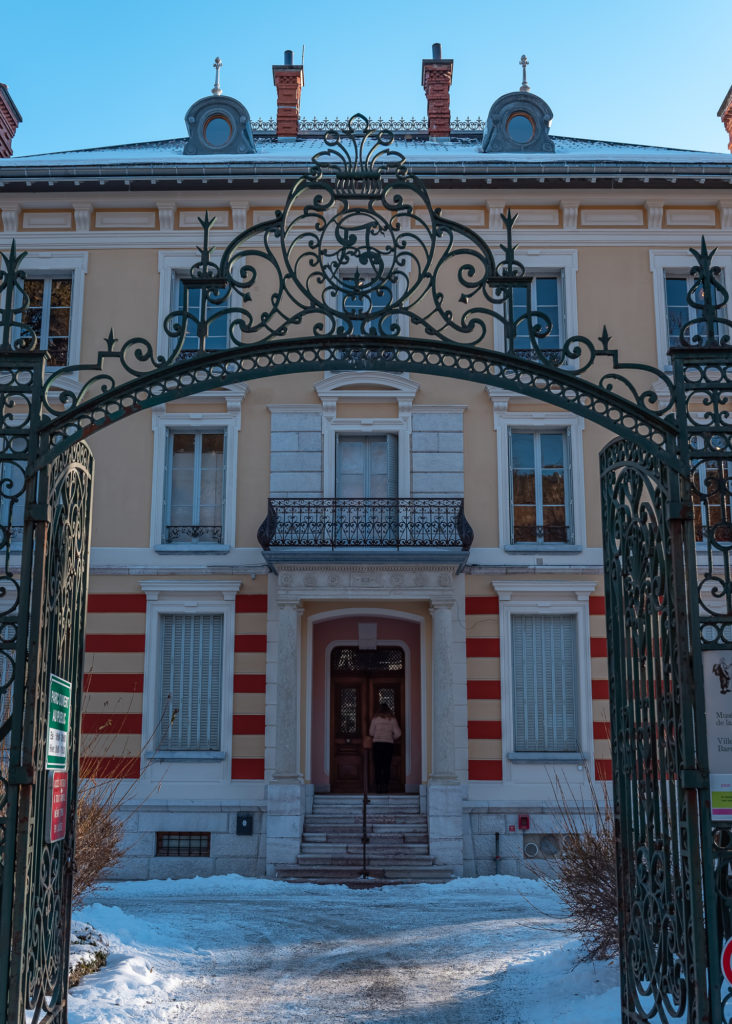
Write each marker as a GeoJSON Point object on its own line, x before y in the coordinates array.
{"type": "Point", "coordinates": [287, 719]}
{"type": "Point", "coordinates": [285, 793]}
{"type": "Point", "coordinates": [443, 711]}
{"type": "Point", "coordinates": [444, 796]}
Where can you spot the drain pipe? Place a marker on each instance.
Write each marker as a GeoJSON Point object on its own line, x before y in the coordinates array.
{"type": "Point", "coordinates": [497, 856]}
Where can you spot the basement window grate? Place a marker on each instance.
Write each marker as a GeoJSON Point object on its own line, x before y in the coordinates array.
{"type": "Point", "coordinates": [182, 844]}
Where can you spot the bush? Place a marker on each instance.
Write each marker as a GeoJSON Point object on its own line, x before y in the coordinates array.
{"type": "Point", "coordinates": [101, 814]}
{"type": "Point", "coordinates": [99, 833]}
{"type": "Point", "coordinates": [586, 879]}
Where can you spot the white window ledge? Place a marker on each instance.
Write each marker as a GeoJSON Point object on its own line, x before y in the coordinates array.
{"type": "Point", "coordinates": [193, 549]}
{"type": "Point", "coordinates": [547, 758]}
{"type": "Point", "coordinates": [186, 755]}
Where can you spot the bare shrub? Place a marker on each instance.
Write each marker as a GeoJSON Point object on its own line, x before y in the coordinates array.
{"type": "Point", "coordinates": [586, 878]}
{"type": "Point", "coordinates": [100, 829]}
{"type": "Point", "coordinates": [102, 811]}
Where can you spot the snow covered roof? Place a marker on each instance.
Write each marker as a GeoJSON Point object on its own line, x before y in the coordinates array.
{"type": "Point", "coordinates": [463, 147]}
{"type": "Point", "coordinates": [457, 157]}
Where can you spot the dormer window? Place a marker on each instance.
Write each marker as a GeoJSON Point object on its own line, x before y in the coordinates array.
{"type": "Point", "coordinates": [218, 124]}
{"type": "Point", "coordinates": [518, 122]}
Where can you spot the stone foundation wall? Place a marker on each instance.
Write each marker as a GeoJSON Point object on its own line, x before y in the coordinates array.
{"type": "Point", "coordinates": [230, 853]}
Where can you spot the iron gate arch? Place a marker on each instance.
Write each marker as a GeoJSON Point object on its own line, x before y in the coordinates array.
{"type": "Point", "coordinates": [360, 271]}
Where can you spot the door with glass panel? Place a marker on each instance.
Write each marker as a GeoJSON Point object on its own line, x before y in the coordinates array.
{"type": "Point", "coordinates": [360, 681]}
{"type": "Point", "coordinates": [367, 506]}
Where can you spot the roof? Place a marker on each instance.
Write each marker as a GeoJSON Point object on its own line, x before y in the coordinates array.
{"type": "Point", "coordinates": [461, 147]}
{"type": "Point", "coordinates": [159, 164]}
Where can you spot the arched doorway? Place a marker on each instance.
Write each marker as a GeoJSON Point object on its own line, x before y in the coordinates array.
{"type": "Point", "coordinates": [357, 662]}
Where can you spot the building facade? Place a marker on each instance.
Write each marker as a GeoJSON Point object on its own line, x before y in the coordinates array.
{"type": "Point", "coordinates": [273, 560]}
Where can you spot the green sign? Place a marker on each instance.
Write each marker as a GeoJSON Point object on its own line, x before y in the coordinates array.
{"type": "Point", "coordinates": [59, 717]}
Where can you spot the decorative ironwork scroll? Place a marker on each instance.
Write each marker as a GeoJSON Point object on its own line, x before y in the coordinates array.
{"type": "Point", "coordinates": [360, 271]}
{"type": "Point", "coordinates": [663, 946]}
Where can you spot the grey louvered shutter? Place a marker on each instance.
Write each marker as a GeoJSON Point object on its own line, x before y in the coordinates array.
{"type": "Point", "coordinates": [190, 675]}
{"type": "Point", "coordinates": [544, 655]}
{"type": "Point", "coordinates": [392, 466]}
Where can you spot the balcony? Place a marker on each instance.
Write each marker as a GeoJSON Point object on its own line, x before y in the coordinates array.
{"type": "Point", "coordinates": [367, 523]}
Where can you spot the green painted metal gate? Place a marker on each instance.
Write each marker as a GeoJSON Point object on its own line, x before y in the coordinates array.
{"type": "Point", "coordinates": [360, 271]}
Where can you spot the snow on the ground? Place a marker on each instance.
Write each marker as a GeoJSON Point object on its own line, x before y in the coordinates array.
{"type": "Point", "coordinates": [229, 949]}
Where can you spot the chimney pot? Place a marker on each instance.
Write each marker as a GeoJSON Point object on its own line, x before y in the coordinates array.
{"type": "Point", "coordinates": [289, 79]}
{"type": "Point", "coordinates": [436, 80]}
{"type": "Point", "coordinates": [9, 120]}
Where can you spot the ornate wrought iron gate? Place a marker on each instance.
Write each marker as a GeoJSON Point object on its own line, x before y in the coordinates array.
{"type": "Point", "coordinates": [42, 636]}
{"type": "Point", "coordinates": [360, 271]}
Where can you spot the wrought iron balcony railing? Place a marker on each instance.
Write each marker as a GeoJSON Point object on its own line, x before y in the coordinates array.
{"type": "Point", "coordinates": [179, 534]}
{"type": "Point", "coordinates": [365, 523]}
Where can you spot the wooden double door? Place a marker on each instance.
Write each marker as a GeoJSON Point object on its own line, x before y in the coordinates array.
{"type": "Point", "coordinates": [360, 680]}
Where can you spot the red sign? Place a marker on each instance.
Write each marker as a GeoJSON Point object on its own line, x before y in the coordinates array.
{"type": "Point", "coordinates": [727, 961]}
{"type": "Point", "coordinates": [56, 806]}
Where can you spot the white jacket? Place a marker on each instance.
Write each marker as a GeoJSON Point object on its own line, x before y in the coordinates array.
{"type": "Point", "coordinates": [384, 730]}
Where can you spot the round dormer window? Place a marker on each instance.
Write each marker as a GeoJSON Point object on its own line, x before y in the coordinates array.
{"type": "Point", "coordinates": [217, 131]}
{"type": "Point", "coordinates": [520, 128]}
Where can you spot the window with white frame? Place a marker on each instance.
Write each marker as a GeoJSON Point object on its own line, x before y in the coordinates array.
{"type": "Point", "coordinates": [553, 292]}
{"type": "Point", "coordinates": [194, 480]}
{"type": "Point", "coordinates": [48, 313]}
{"type": "Point", "coordinates": [189, 668]}
{"type": "Point", "coordinates": [194, 488]}
{"type": "Point", "coordinates": [215, 311]}
{"type": "Point", "coordinates": [189, 681]}
{"type": "Point", "coordinates": [366, 466]}
{"type": "Point", "coordinates": [545, 684]}
{"type": "Point", "coordinates": [541, 506]}
{"type": "Point", "coordinates": [174, 268]}
{"type": "Point", "coordinates": [546, 298]}
{"type": "Point", "coordinates": [541, 500]}
{"type": "Point", "coordinates": [672, 282]}
{"type": "Point", "coordinates": [54, 290]}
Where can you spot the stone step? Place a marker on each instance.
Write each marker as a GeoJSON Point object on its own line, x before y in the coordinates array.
{"type": "Point", "coordinates": [355, 843]}
{"type": "Point", "coordinates": [406, 862]}
{"type": "Point", "coordinates": [376, 875]}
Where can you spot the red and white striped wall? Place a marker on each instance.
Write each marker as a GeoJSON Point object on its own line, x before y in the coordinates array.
{"type": "Point", "coordinates": [114, 678]}
{"type": "Point", "coordinates": [483, 652]}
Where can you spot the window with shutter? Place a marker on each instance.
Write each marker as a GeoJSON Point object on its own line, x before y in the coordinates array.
{"type": "Point", "coordinates": [190, 675]}
{"type": "Point", "coordinates": [545, 700]}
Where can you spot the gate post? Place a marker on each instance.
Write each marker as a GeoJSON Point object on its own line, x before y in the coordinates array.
{"type": "Point", "coordinates": [702, 373]}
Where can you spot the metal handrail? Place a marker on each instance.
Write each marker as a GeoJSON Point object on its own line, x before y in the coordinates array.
{"type": "Point", "coordinates": [365, 522]}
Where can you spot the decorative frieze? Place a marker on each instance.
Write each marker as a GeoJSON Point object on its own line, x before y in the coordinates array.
{"type": "Point", "coordinates": [299, 582]}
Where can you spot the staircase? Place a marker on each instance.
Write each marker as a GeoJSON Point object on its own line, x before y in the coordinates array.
{"type": "Point", "coordinates": [397, 850]}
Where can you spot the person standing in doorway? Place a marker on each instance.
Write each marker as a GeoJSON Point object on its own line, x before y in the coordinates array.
{"type": "Point", "coordinates": [384, 731]}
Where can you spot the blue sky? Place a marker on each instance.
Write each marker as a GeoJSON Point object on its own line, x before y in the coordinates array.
{"type": "Point", "coordinates": [93, 74]}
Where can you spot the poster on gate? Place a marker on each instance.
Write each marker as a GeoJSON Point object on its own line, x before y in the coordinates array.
{"type": "Point", "coordinates": [717, 667]}
{"type": "Point", "coordinates": [59, 719]}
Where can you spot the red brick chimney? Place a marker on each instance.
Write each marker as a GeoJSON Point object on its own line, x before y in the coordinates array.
{"type": "Point", "coordinates": [289, 79]}
{"type": "Point", "coordinates": [436, 79]}
{"type": "Point", "coordinates": [9, 121]}
{"type": "Point", "coordinates": [725, 112]}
